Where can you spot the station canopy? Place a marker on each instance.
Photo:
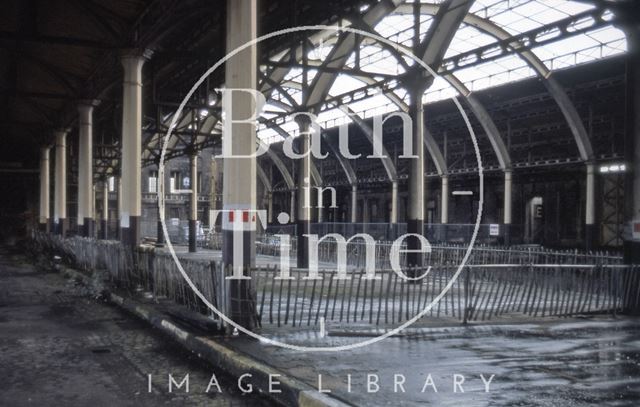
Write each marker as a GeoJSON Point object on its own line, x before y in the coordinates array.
{"type": "Point", "coordinates": [488, 26]}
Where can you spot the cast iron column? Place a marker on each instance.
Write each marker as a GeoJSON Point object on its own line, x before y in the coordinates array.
{"type": "Point", "coordinates": [160, 192]}
{"type": "Point", "coordinates": [292, 205]}
{"type": "Point", "coordinates": [118, 187]}
{"type": "Point", "coordinates": [239, 175]}
{"type": "Point", "coordinates": [393, 215]}
{"type": "Point", "coordinates": [104, 222]}
{"type": "Point", "coordinates": [85, 169]}
{"type": "Point", "coordinates": [415, 219]}
{"type": "Point", "coordinates": [632, 143]}
{"type": "Point", "coordinates": [193, 212]}
{"type": "Point", "coordinates": [269, 207]}
{"type": "Point", "coordinates": [590, 229]}
{"type": "Point", "coordinates": [304, 191]}
{"type": "Point", "coordinates": [131, 176]}
{"type": "Point", "coordinates": [44, 189]}
{"type": "Point", "coordinates": [444, 207]}
{"type": "Point", "coordinates": [60, 191]}
{"type": "Point", "coordinates": [508, 202]}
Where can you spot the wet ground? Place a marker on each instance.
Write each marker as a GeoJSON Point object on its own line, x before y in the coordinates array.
{"type": "Point", "coordinates": [61, 347]}
{"type": "Point", "coordinates": [593, 362]}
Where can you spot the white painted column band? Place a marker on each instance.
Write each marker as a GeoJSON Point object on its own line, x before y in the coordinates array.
{"type": "Point", "coordinates": [60, 191]}
{"type": "Point", "coordinates": [44, 185]}
{"type": "Point", "coordinates": [85, 162]}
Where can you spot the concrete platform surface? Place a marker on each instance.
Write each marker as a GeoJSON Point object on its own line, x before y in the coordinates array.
{"type": "Point", "coordinates": [60, 347]}
{"type": "Point", "coordinates": [591, 362]}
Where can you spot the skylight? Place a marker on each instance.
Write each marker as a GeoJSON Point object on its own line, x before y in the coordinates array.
{"type": "Point", "coordinates": [512, 16]}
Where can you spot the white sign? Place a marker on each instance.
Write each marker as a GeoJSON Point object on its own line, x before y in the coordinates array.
{"type": "Point", "coordinates": [494, 229]}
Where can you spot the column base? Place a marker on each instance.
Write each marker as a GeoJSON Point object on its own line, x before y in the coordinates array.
{"type": "Point", "coordinates": [303, 228]}
{"type": "Point", "coordinates": [631, 251]}
{"type": "Point", "coordinates": [393, 232]}
{"type": "Point", "coordinates": [590, 241]}
{"type": "Point", "coordinates": [160, 235]}
{"type": "Point", "coordinates": [240, 294]}
{"type": "Point", "coordinates": [414, 226]}
{"type": "Point", "coordinates": [104, 230]}
{"type": "Point", "coordinates": [131, 236]}
{"type": "Point", "coordinates": [61, 227]}
{"type": "Point", "coordinates": [442, 234]}
{"type": "Point", "coordinates": [43, 226]}
{"type": "Point", "coordinates": [88, 228]}
{"type": "Point", "coordinates": [192, 235]}
{"type": "Point", "coordinates": [506, 234]}
{"type": "Point", "coordinates": [242, 304]}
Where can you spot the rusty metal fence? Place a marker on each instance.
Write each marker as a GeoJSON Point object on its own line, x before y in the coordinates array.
{"type": "Point", "coordinates": [495, 283]}
{"type": "Point", "coordinates": [479, 293]}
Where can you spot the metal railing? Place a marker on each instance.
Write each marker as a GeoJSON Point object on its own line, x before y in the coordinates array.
{"type": "Point", "coordinates": [434, 232]}
{"type": "Point", "coordinates": [495, 283]}
{"type": "Point", "coordinates": [480, 293]}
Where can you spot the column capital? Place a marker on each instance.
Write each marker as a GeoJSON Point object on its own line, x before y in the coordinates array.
{"type": "Point", "coordinates": [190, 151]}
{"type": "Point", "coordinates": [417, 84]}
{"type": "Point", "coordinates": [60, 135]}
{"type": "Point", "coordinates": [136, 53]}
{"type": "Point", "coordinates": [87, 104]}
{"type": "Point", "coordinates": [132, 61]}
{"type": "Point", "coordinates": [85, 110]}
{"type": "Point", "coordinates": [302, 119]}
